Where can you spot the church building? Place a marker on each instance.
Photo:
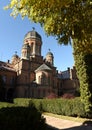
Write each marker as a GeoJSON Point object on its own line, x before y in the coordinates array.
{"type": "Point", "coordinates": [31, 75]}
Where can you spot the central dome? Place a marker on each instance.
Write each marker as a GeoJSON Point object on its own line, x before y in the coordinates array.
{"type": "Point", "coordinates": [32, 34]}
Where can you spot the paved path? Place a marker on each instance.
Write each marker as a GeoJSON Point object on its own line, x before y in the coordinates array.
{"type": "Point", "coordinates": [61, 124]}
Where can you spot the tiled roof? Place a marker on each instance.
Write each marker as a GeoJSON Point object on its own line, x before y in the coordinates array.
{"type": "Point", "coordinates": [6, 66]}
{"type": "Point", "coordinates": [43, 67]}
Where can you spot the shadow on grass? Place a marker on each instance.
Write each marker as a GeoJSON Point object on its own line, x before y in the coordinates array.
{"type": "Point", "coordinates": [21, 118]}
{"type": "Point", "coordinates": [29, 118]}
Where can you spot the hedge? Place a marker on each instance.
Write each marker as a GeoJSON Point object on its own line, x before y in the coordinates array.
{"type": "Point", "coordinates": [22, 101]}
{"type": "Point", "coordinates": [68, 107]}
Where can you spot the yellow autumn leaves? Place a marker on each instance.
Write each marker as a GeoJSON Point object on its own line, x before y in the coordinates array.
{"type": "Point", "coordinates": [13, 2]}
{"type": "Point", "coordinates": [18, 6]}
{"type": "Point", "coordinates": [58, 17]}
{"type": "Point", "coordinates": [20, 3]}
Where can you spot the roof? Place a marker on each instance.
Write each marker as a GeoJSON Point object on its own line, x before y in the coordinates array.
{"type": "Point", "coordinates": [43, 67]}
{"type": "Point", "coordinates": [15, 56]}
{"type": "Point", "coordinates": [64, 75]}
{"type": "Point", "coordinates": [32, 34]}
{"type": "Point", "coordinates": [49, 53]}
{"type": "Point", "coordinates": [6, 66]}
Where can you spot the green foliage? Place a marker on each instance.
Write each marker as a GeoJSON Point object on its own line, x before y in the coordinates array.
{"type": "Point", "coordinates": [5, 104]}
{"type": "Point", "coordinates": [37, 104]}
{"type": "Point", "coordinates": [64, 19]}
{"type": "Point", "coordinates": [73, 107]}
{"type": "Point", "coordinates": [24, 118]}
{"type": "Point", "coordinates": [67, 107]}
{"type": "Point", "coordinates": [22, 101]}
{"type": "Point", "coordinates": [83, 64]}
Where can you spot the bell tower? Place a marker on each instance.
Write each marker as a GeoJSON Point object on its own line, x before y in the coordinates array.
{"type": "Point", "coordinates": [25, 54]}
{"type": "Point", "coordinates": [35, 42]}
{"type": "Point", "coordinates": [50, 58]}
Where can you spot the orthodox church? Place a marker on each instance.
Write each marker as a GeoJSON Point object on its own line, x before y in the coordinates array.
{"type": "Point", "coordinates": [32, 76]}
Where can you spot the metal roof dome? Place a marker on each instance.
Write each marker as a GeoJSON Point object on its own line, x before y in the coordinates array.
{"type": "Point", "coordinates": [49, 53]}
{"type": "Point", "coordinates": [15, 55]}
{"type": "Point", "coordinates": [32, 34]}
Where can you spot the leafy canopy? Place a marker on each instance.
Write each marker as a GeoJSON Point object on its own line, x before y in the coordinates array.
{"type": "Point", "coordinates": [64, 19]}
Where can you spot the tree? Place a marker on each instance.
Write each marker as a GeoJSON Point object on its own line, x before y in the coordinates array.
{"type": "Point", "coordinates": [66, 20]}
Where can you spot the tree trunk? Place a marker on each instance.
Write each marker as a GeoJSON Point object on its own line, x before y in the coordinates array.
{"type": "Point", "coordinates": [83, 63]}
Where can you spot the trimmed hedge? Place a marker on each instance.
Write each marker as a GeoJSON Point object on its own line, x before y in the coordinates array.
{"type": "Point", "coordinates": [68, 107]}
{"type": "Point", "coordinates": [22, 101]}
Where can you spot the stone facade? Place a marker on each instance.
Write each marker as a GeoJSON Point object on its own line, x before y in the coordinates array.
{"type": "Point", "coordinates": [7, 80]}
{"type": "Point", "coordinates": [70, 82]}
{"type": "Point", "coordinates": [35, 76]}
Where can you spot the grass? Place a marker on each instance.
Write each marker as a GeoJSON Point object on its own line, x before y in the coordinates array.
{"type": "Point", "coordinates": [5, 104]}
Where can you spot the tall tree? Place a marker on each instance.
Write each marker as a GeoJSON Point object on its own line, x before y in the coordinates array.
{"type": "Point", "coordinates": [66, 20]}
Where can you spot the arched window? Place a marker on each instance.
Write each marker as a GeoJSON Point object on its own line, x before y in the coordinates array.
{"type": "Point", "coordinates": [43, 79]}
{"type": "Point", "coordinates": [31, 48]}
{"type": "Point", "coordinates": [39, 79]}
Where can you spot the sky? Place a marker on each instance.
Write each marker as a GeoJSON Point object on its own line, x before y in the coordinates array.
{"type": "Point", "coordinates": [12, 32]}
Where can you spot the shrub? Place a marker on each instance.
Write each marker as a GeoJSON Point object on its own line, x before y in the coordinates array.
{"type": "Point", "coordinates": [37, 103]}
{"type": "Point", "coordinates": [68, 96]}
{"type": "Point", "coordinates": [62, 106]}
{"type": "Point", "coordinates": [51, 96]}
{"type": "Point", "coordinates": [67, 107]}
{"type": "Point", "coordinates": [22, 101]}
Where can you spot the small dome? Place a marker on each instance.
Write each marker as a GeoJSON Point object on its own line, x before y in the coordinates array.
{"type": "Point", "coordinates": [15, 56]}
{"type": "Point", "coordinates": [49, 53]}
{"type": "Point", "coordinates": [15, 59]}
{"type": "Point", "coordinates": [32, 34]}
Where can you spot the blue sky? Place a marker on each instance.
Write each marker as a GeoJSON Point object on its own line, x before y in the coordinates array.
{"type": "Point", "coordinates": [12, 32]}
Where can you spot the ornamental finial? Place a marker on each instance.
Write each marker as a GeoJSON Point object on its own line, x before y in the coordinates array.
{"type": "Point", "coordinates": [33, 28]}
{"type": "Point", "coordinates": [16, 52]}
{"type": "Point", "coordinates": [49, 50]}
